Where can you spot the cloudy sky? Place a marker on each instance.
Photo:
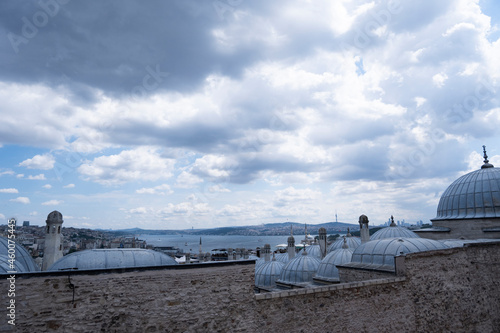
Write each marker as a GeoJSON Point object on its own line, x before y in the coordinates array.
{"type": "Point", "coordinates": [182, 113]}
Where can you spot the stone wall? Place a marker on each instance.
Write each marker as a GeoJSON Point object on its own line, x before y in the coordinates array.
{"type": "Point", "coordinates": [453, 290]}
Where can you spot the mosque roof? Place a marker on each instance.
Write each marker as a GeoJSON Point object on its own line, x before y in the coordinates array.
{"type": "Point", "coordinates": [352, 243]}
{"type": "Point", "coordinates": [267, 274]}
{"type": "Point", "coordinates": [379, 254]}
{"type": "Point", "coordinates": [327, 268]}
{"type": "Point", "coordinates": [112, 258]}
{"type": "Point", "coordinates": [312, 250]}
{"type": "Point", "coordinates": [393, 231]}
{"type": "Point", "coordinates": [282, 257]}
{"type": "Point", "coordinates": [472, 196]}
{"type": "Point", "coordinates": [300, 269]}
{"type": "Point", "coordinates": [23, 263]}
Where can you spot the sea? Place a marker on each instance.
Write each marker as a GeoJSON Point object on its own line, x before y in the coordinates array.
{"type": "Point", "coordinates": [190, 243]}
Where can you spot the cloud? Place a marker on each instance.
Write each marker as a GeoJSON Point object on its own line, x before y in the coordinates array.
{"type": "Point", "coordinates": [143, 163]}
{"type": "Point", "coordinates": [37, 177]}
{"type": "Point", "coordinates": [9, 190]}
{"type": "Point", "coordinates": [69, 186]}
{"type": "Point", "coordinates": [42, 162]}
{"type": "Point", "coordinates": [52, 202]}
{"type": "Point", "coordinates": [23, 200]}
{"type": "Point", "coordinates": [159, 190]}
{"type": "Point", "coordinates": [47, 186]}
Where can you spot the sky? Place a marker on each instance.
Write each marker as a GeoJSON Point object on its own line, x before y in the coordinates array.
{"type": "Point", "coordinates": [199, 114]}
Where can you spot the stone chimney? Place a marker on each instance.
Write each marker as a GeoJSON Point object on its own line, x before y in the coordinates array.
{"type": "Point", "coordinates": [363, 229]}
{"type": "Point", "coordinates": [322, 241]}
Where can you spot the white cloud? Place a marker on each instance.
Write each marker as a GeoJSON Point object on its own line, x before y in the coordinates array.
{"type": "Point", "coordinates": [69, 186]}
{"type": "Point", "coordinates": [52, 202]}
{"type": "Point", "coordinates": [159, 190]}
{"type": "Point", "coordinates": [439, 79]}
{"type": "Point", "coordinates": [23, 200]}
{"type": "Point", "coordinates": [9, 190]}
{"type": "Point", "coordinates": [42, 162]}
{"type": "Point", "coordinates": [187, 180]}
{"type": "Point", "coordinates": [143, 163]}
{"type": "Point", "coordinates": [37, 177]}
{"type": "Point", "coordinates": [47, 186]}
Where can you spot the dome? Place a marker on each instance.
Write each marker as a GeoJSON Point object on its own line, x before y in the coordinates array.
{"type": "Point", "coordinates": [267, 274]}
{"type": "Point", "coordinates": [312, 250]}
{"type": "Point", "coordinates": [23, 263]}
{"type": "Point", "coordinates": [327, 268]}
{"type": "Point", "coordinates": [55, 217]}
{"type": "Point", "coordinates": [393, 232]}
{"type": "Point", "coordinates": [112, 258]}
{"type": "Point", "coordinates": [282, 257]}
{"type": "Point", "coordinates": [474, 195]}
{"type": "Point", "coordinates": [352, 243]}
{"type": "Point", "coordinates": [300, 269]}
{"type": "Point", "coordinates": [380, 253]}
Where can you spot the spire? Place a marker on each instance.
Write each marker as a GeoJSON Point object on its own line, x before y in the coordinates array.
{"type": "Point", "coordinates": [291, 230]}
{"type": "Point", "coordinates": [486, 162]}
{"type": "Point", "coordinates": [349, 232]}
{"type": "Point", "coordinates": [345, 246]}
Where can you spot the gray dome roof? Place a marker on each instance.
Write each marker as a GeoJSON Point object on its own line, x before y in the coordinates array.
{"type": "Point", "coordinates": [352, 243]}
{"type": "Point", "coordinates": [300, 269]}
{"type": "Point", "coordinates": [112, 258]}
{"type": "Point", "coordinates": [267, 274]}
{"type": "Point", "coordinates": [312, 250]}
{"type": "Point", "coordinates": [393, 232]}
{"type": "Point", "coordinates": [327, 267]}
{"type": "Point", "coordinates": [474, 195]}
{"type": "Point", "coordinates": [24, 262]}
{"type": "Point", "coordinates": [380, 253]}
{"type": "Point", "coordinates": [55, 217]}
{"type": "Point", "coordinates": [282, 257]}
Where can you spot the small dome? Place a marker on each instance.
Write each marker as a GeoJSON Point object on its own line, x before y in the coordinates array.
{"type": "Point", "coordinates": [393, 231]}
{"type": "Point", "coordinates": [300, 269]}
{"type": "Point", "coordinates": [352, 243]}
{"type": "Point", "coordinates": [112, 258]}
{"type": "Point", "coordinates": [312, 250]}
{"type": "Point", "coordinates": [474, 195]}
{"type": "Point", "coordinates": [327, 268]}
{"type": "Point", "coordinates": [267, 274]}
{"type": "Point", "coordinates": [380, 253]}
{"type": "Point", "coordinates": [282, 257]}
{"type": "Point", "coordinates": [55, 217]}
{"type": "Point", "coordinates": [23, 263]}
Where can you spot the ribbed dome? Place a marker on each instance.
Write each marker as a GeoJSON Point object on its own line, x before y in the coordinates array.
{"type": "Point", "coordinates": [300, 269]}
{"type": "Point", "coordinates": [327, 267]}
{"type": "Point", "coordinates": [55, 217]}
{"type": "Point", "coordinates": [282, 257]}
{"type": "Point", "coordinates": [112, 258]}
{"type": "Point", "coordinates": [267, 274]}
{"type": "Point", "coordinates": [23, 263]}
{"type": "Point", "coordinates": [393, 231]}
{"type": "Point", "coordinates": [380, 253]}
{"type": "Point", "coordinates": [474, 195]}
{"type": "Point", "coordinates": [352, 243]}
{"type": "Point", "coordinates": [312, 250]}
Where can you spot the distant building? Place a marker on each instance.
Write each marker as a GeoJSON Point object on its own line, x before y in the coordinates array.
{"type": "Point", "coordinates": [26, 223]}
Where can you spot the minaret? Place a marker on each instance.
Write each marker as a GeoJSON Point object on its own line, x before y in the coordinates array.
{"type": "Point", "coordinates": [363, 229]}
{"type": "Point", "coordinates": [53, 250]}
{"type": "Point", "coordinates": [486, 162]}
{"type": "Point", "coordinates": [322, 241]}
{"type": "Point", "coordinates": [291, 245]}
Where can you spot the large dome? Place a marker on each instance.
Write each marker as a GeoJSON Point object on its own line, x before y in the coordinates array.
{"type": "Point", "coordinates": [474, 195]}
{"type": "Point", "coordinates": [266, 274]}
{"type": "Point", "coordinates": [112, 258]}
{"type": "Point", "coordinates": [393, 231]}
{"type": "Point", "coordinates": [23, 263]}
{"type": "Point", "coordinates": [328, 267]}
{"type": "Point", "coordinates": [380, 253]}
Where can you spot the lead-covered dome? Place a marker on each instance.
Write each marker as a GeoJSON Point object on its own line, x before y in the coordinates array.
{"type": "Point", "coordinates": [112, 258]}
{"type": "Point", "coordinates": [300, 269]}
{"type": "Point", "coordinates": [267, 274]}
{"type": "Point", "coordinates": [23, 261]}
{"type": "Point", "coordinates": [474, 195]}
{"type": "Point", "coordinates": [327, 269]}
{"type": "Point", "coordinates": [379, 254]}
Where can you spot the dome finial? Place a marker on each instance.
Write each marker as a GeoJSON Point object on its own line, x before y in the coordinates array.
{"type": "Point", "coordinates": [392, 222]}
{"type": "Point", "coordinates": [486, 162]}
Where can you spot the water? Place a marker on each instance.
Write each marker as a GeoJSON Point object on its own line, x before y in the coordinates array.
{"type": "Point", "coordinates": [190, 243]}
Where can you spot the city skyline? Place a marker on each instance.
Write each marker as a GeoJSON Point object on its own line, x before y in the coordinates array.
{"type": "Point", "coordinates": [233, 113]}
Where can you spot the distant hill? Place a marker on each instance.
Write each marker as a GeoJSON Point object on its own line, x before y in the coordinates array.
{"type": "Point", "coordinates": [269, 229]}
